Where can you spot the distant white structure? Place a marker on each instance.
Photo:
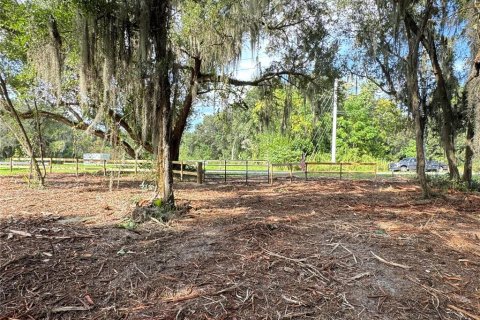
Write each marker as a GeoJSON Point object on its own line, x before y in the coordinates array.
{"type": "Point", "coordinates": [95, 157]}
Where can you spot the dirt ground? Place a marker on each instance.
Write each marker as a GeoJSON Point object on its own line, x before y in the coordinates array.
{"type": "Point", "coordinates": [305, 250]}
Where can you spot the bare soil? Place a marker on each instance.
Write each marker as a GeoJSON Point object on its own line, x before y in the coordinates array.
{"type": "Point", "coordinates": [305, 250]}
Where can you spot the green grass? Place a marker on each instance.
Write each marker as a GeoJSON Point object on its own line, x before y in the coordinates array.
{"type": "Point", "coordinates": [68, 168]}
{"type": "Point", "coordinates": [16, 171]}
{"type": "Point", "coordinates": [59, 168]}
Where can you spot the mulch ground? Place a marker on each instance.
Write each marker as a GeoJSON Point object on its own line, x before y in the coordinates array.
{"type": "Point", "coordinates": [305, 250]}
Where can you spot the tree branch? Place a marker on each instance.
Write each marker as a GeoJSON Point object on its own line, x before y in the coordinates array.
{"type": "Point", "coordinates": [206, 78]}
{"type": "Point", "coordinates": [78, 125]}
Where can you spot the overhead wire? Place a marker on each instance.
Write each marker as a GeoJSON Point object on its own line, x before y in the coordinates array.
{"type": "Point", "coordinates": [324, 100]}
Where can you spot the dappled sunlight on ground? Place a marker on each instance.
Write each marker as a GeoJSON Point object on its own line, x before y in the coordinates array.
{"type": "Point", "coordinates": [302, 250]}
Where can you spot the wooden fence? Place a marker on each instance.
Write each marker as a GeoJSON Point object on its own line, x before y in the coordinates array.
{"type": "Point", "coordinates": [81, 165]}
{"type": "Point", "coordinates": [315, 170]}
{"type": "Point", "coordinates": [247, 171]}
{"type": "Point", "coordinates": [74, 165]}
{"type": "Point", "coordinates": [189, 169]}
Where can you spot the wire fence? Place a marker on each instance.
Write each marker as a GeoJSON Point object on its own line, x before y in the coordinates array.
{"type": "Point", "coordinates": [204, 171]}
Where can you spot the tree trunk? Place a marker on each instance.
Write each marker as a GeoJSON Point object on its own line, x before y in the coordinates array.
{"type": "Point", "coordinates": [448, 130]}
{"type": "Point", "coordinates": [40, 140]}
{"type": "Point", "coordinates": [468, 103]}
{"type": "Point", "coordinates": [28, 145]}
{"type": "Point", "coordinates": [160, 27]}
{"type": "Point", "coordinates": [421, 163]}
{"type": "Point", "coordinates": [164, 162]}
{"type": "Point", "coordinates": [180, 125]}
{"type": "Point", "coordinates": [234, 147]}
{"type": "Point", "coordinates": [182, 117]}
{"type": "Point", "coordinates": [468, 168]}
{"type": "Point", "coordinates": [415, 104]}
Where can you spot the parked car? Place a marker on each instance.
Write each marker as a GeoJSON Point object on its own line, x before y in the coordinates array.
{"type": "Point", "coordinates": [410, 164]}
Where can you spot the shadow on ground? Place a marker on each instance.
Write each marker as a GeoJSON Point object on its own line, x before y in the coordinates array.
{"type": "Point", "coordinates": [324, 249]}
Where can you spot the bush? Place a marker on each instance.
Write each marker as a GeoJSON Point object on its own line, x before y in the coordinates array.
{"type": "Point", "coordinates": [443, 182]}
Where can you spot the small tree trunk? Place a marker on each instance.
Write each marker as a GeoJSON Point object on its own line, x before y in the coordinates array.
{"type": "Point", "coordinates": [40, 140]}
{"type": "Point", "coordinates": [415, 103]}
{"type": "Point", "coordinates": [469, 103]}
{"type": "Point", "coordinates": [28, 145]}
{"type": "Point", "coordinates": [175, 149]}
{"type": "Point", "coordinates": [182, 117]}
{"type": "Point", "coordinates": [421, 163]}
{"type": "Point", "coordinates": [448, 130]}
{"type": "Point", "coordinates": [234, 147]}
{"type": "Point", "coordinates": [468, 169]}
{"type": "Point", "coordinates": [422, 33]}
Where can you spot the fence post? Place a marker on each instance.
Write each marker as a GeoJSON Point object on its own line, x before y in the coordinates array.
{"type": "Point", "coordinates": [204, 171]}
{"type": "Point", "coordinates": [76, 166]}
{"type": "Point", "coordinates": [291, 172]}
{"type": "Point", "coordinates": [376, 170]}
{"type": "Point", "coordinates": [246, 171]}
{"type": "Point", "coordinates": [104, 167]}
{"type": "Point", "coordinates": [199, 172]}
{"type": "Point", "coordinates": [268, 171]}
{"type": "Point", "coordinates": [11, 164]}
{"type": "Point", "coordinates": [225, 171]}
{"type": "Point", "coordinates": [341, 170]}
{"type": "Point", "coordinates": [51, 164]}
{"type": "Point", "coordinates": [136, 164]}
{"type": "Point", "coordinates": [306, 171]}
{"type": "Point", "coordinates": [181, 171]}
{"type": "Point", "coordinates": [271, 174]}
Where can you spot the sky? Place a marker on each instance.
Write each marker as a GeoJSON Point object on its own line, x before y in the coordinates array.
{"type": "Point", "coordinates": [247, 69]}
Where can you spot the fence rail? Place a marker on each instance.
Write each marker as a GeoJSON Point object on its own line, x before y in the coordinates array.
{"type": "Point", "coordinates": [183, 169]}
{"type": "Point", "coordinates": [313, 170]}
{"type": "Point", "coordinates": [81, 165]}
{"type": "Point", "coordinates": [247, 171]}
{"type": "Point", "coordinates": [236, 170]}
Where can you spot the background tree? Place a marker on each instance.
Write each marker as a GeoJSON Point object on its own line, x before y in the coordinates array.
{"type": "Point", "coordinates": [369, 128]}
{"type": "Point", "coordinates": [419, 76]}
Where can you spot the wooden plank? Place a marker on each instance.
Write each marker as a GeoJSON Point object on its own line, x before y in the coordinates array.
{"type": "Point", "coordinates": [185, 173]}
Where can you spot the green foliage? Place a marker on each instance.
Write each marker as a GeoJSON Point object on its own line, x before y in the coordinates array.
{"type": "Point", "coordinates": [281, 125]}
{"type": "Point", "coordinates": [8, 143]}
{"type": "Point", "coordinates": [158, 203]}
{"type": "Point", "coordinates": [59, 141]}
{"type": "Point", "coordinates": [409, 150]}
{"type": "Point", "coordinates": [444, 183]}
{"type": "Point", "coordinates": [277, 148]}
{"type": "Point", "coordinates": [128, 224]}
{"type": "Point", "coordinates": [371, 128]}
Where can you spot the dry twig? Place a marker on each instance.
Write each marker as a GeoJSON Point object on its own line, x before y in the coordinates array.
{"type": "Point", "coordinates": [20, 233]}
{"type": "Point", "coordinates": [470, 315]}
{"type": "Point", "coordinates": [393, 264]}
{"type": "Point", "coordinates": [70, 308]}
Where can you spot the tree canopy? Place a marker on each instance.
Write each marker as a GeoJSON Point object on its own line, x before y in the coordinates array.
{"type": "Point", "coordinates": [136, 73]}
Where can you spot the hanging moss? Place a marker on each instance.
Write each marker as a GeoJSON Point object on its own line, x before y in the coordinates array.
{"type": "Point", "coordinates": [48, 59]}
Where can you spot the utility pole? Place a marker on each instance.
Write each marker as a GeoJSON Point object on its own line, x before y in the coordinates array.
{"type": "Point", "coordinates": [334, 122]}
